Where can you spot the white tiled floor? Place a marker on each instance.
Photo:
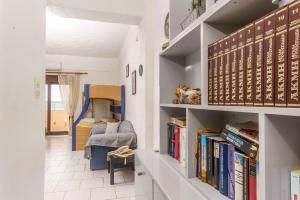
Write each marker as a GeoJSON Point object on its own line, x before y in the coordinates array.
{"type": "Point", "coordinates": [68, 176]}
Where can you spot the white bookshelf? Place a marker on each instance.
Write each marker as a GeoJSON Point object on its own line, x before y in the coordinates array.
{"type": "Point", "coordinates": [279, 128]}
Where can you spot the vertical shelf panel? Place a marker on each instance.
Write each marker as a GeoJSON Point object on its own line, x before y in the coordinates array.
{"type": "Point", "coordinates": [282, 154]}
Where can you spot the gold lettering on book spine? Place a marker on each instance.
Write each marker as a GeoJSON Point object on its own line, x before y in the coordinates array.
{"type": "Point", "coordinates": [233, 77]}
{"type": "Point", "coordinates": [249, 74]}
{"type": "Point", "coordinates": [258, 87]}
{"type": "Point", "coordinates": [215, 80]}
{"type": "Point", "coordinates": [294, 81]}
{"type": "Point", "coordinates": [227, 79]}
{"type": "Point", "coordinates": [210, 81]}
{"type": "Point", "coordinates": [241, 76]}
{"type": "Point", "coordinates": [269, 74]}
{"type": "Point", "coordinates": [281, 69]}
{"type": "Point", "coordinates": [221, 80]}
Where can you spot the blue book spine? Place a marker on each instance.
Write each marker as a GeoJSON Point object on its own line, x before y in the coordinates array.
{"type": "Point", "coordinates": [231, 172]}
{"type": "Point", "coordinates": [204, 158]}
{"type": "Point", "coordinates": [223, 182]}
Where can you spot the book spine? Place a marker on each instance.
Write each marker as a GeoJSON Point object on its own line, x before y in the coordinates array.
{"type": "Point", "coordinates": [169, 138]}
{"type": "Point", "coordinates": [269, 58]}
{"type": "Point", "coordinates": [293, 97]}
{"type": "Point", "coordinates": [231, 171]}
{"type": "Point", "coordinates": [223, 181]}
{"type": "Point", "coordinates": [259, 63]}
{"type": "Point", "coordinates": [295, 186]}
{"type": "Point", "coordinates": [204, 158]}
{"type": "Point", "coordinates": [177, 143]}
{"type": "Point", "coordinates": [173, 141]}
{"type": "Point", "coordinates": [199, 157]}
{"type": "Point", "coordinates": [216, 165]}
{"type": "Point", "coordinates": [238, 176]}
{"type": "Point", "coordinates": [252, 179]}
{"type": "Point", "coordinates": [248, 148]}
{"type": "Point", "coordinates": [249, 57]}
{"type": "Point", "coordinates": [234, 69]}
{"type": "Point", "coordinates": [210, 160]}
{"type": "Point", "coordinates": [221, 72]}
{"type": "Point", "coordinates": [227, 70]}
{"type": "Point", "coordinates": [182, 147]}
{"type": "Point", "coordinates": [210, 75]}
{"type": "Point", "coordinates": [216, 74]}
{"type": "Point", "coordinates": [246, 179]}
{"type": "Point", "coordinates": [241, 67]}
{"type": "Point", "coordinates": [281, 40]}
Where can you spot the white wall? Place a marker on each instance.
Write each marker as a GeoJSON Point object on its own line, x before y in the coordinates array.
{"type": "Point", "coordinates": [101, 71]}
{"type": "Point", "coordinates": [161, 10]}
{"type": "Point", "coordinates": [131, 53]}
{"type": "Point", "coordinates": [142, 46]}
{"type": "Point", "coordinates": [22, 145]}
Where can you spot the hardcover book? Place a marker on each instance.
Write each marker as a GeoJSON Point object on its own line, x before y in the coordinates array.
{"type": "Point", "coordinates": [252, 179]}
{"type": "Point", "coordinates": [259, 63]}
{"type": "Point", "coordinates": [216, 74]}
{"type": "Point", "coordinates": [269, 59]}
{"type": "Point", "coordinates": [293, 94]}
{"type": "Point", "coordinates": [221, 71]}
{"type": "Point", "coordinates": [243, 145]}
{"type": "Point", "coordinates": [295, 185]}
{"type": "Point", "coordinates": [227, 80]}
{"type": "Point", "coordinates": [281, 40]}
{"type": "Point", "coordinates": [216, 161]}
{"type": "Point", "coordinates": [249, 58]}
{"type": "Point", "coordinates": [182, 147]}
{"type": "Point", "coordinates": [233, 69]}
{"type": "Point", "coordinates": [241, 67]}
{"type": "Point", "coordinates": [176, 143]}
{"type": "Point", "coordinates": [204, 156]}
{"type": "Point", "coordinates": [247, 130]}
{"type": "Point", "coordinates": [210, 74]}
{"type": "Point", "coordinates": [223, 179]}
{"type": "Point", "coordinates": [239, 160]}
{"type": "Point", "coordinates": [246, 178]}
{"type": "Point", "coordinates": [231, 172]}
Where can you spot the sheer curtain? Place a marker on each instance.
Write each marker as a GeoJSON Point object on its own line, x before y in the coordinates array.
{"type": "Point", "coordinates": [69, 86]}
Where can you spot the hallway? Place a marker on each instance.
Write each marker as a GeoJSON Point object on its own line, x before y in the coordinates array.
{"type": "Point", "coordinates": [68, 176]}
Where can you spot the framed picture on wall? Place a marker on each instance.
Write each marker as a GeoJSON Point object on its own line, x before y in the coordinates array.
{"type": "Point", "coordinates": [133, 82]}
{"type": "Point", "coordinates": [127, 70]}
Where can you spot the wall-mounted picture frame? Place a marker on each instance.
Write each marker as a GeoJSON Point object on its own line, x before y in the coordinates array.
{"type": "Point", "coordinates": [133, 82]}
{"type": "Point", "coordinates": [127, 70]}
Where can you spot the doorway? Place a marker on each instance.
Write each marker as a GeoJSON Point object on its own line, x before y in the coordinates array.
{"type": "Point", "coordinates": [57, 118]}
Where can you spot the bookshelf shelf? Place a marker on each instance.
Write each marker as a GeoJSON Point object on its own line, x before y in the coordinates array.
{"type": "Point", "coordinates": [279, 127]}
{"type": "Point", "coordinates": [207, 190]}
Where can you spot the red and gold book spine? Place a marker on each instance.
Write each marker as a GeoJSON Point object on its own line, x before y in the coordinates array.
{"type": "Point", "coordinates": [226, 58]}
{"type": "Point", "coordinates": [269, 59]}
{"type": "Point", "coordinates": [259, 63]}
{"type": "Point", "coordinates": [216, 74]}
{"type": "Point", "coordinates": [233, 69]}
{"type": "Point", "coordinates": [249, 57]}
{"type": "Point", "coordinates": [281, 40]}
{"type": "Point", "coordinates": [241, 67]}
{"type": "Point", "coordinates": [221, 72]}
{"type": "Point", "coordinates": [210, 75]}
{"type": "Point", "coordinates": [293, 93]}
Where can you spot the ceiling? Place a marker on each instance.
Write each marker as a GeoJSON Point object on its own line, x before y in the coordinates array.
{"type": "Point", "coordinates": [77, 37]}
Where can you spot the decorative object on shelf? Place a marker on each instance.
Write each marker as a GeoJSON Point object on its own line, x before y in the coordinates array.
{"type": "Point", "coordinates": [127, 70]}
{"type": "Point", "coordinates": [185, 95]}
{"type": "Point", "coordinates": [133, 82]}
{"type": "Point", "coordinates": [141, 69]}
{"type": "Point", "coordinates": [167, 26]}
{"type": "Point", "coordinates": [165, 45]}
{"type": "Point", "coordinates": [198, 8]}
{"type": "Point", "coordinates": [281, 3]}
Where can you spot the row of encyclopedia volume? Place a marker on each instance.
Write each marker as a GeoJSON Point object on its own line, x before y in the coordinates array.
{"type": "Point", "coordinates": [259, 64]}
{"type": "Point", "coordinates": [227, 163]}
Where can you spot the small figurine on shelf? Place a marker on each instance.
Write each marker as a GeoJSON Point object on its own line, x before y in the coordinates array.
{"type": "Point", "coordinates": [187, 96]}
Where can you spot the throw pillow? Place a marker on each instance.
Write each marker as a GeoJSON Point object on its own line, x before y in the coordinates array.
{"type": "Point", "coordinates": [112, 127]}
